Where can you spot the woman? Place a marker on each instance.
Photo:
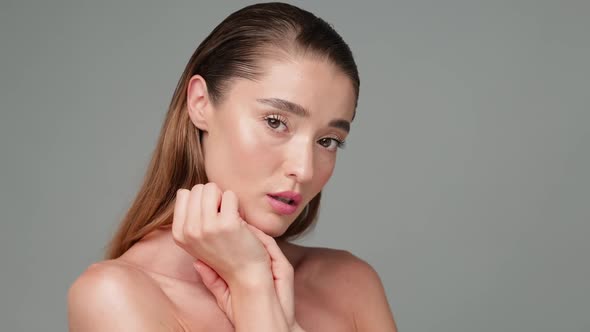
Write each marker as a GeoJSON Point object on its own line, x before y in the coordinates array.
{"type": "Point", "coordinates": [249, 141]}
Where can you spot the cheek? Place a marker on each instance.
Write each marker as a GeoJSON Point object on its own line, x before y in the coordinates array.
{"type": "Point", "coordinates": [238, 156]}
{"type": "Point", "coordinates": [323, 173]}
{"type": "Point", "coordinates": [248, 149]}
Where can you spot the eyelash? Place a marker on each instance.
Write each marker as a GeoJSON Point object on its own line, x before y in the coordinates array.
{"type": "Point", "coordinates": [340, 144]}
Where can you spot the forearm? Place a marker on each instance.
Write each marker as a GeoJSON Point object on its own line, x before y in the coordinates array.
{"type": "Point", "coordinates": [256, 308]}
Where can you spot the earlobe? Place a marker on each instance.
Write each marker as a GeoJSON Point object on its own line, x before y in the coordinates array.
{"type": "Point", "coordinates": [197, 101]}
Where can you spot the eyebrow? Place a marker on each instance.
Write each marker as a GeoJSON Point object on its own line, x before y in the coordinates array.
{"type": "Point", "coordinates": [299, 110]}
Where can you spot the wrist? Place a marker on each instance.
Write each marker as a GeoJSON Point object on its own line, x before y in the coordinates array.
{"type": "Point", "coordinates": [254, 279]}
{"type": "Point", "coordinates": [256, 306]}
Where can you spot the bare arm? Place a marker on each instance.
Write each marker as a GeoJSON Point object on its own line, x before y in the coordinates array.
{"type": "Point", "coordinates": [373, 312]}
{"type": "Point", "coordinates": [256, 306]}
{"type": "Point", "coordinates": [111, 297]}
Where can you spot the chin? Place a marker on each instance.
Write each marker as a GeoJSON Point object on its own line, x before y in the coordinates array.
{"type": "Point", "coordinates": [270, 230]}
{"type": "Point", "coordinates": [272, 226]}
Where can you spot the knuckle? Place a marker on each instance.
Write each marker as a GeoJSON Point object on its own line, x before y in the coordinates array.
{"type": "Point", "coordinates": [192, 231]}
{"type": "Point", "coordinates": [209, 229]}
{"type": "Point", "coordinates": [216, 229]}
{"type": "Point", "coordinates": [227, 227]}
{"type": "Point", "coordinates": [179, 194]}
{"type": "Point", "coordinates": [178, 241]}
{"type": "Point", "coordinates": [230, 223]}
{"type": "Point", "coordinates": [229, 194]}
{"type": "Point", "coordinates": [212, 187]}
{"type": "Point", "coordinates": [177, 237]}
{"type": "Point", "coordinates": [175, 234]}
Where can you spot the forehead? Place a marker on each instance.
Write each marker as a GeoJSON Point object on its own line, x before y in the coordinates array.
{"type": "Point", "coordinates": [316, 84]}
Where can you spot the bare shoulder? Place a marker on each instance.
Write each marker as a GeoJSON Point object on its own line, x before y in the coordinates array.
{"type": "Point", "coordinates": [351, 280]}
{"type": "Point", "coordinates": [336, 267]}
{"type": "Point", "coordinates": [113, 296]}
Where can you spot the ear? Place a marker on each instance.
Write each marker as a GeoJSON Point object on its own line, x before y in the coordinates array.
{"type": "Point", "coordinates": [198, 102]}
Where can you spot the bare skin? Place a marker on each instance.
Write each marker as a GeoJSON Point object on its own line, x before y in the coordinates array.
{"type": "Point", "coordinates": [253, 146]}
{"type": "Point", "coordinates": [334, 290]}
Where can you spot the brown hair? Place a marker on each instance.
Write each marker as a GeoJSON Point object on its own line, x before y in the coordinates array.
{"type": "Point", "coordinates": [232, 50]}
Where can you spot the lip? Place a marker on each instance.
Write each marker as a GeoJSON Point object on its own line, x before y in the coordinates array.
{"type": "Point", "coordinates": [281, 207]}
{"type": "Point", "coordinates": [295, 196]}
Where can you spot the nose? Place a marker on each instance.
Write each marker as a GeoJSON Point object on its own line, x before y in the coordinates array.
{"type": "Point", "coordinates": [299, 161]}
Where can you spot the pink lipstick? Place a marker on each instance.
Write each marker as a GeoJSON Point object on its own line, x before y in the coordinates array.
{"type": "Point", "coordinates": [285, 202]}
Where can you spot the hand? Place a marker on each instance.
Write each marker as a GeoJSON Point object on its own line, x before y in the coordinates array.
{"type": "Point", "coordinates": [207, 225]}
{"type": "Point", "coordinates": [283, 276]}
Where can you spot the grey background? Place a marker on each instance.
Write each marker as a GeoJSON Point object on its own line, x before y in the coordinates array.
{"type": "Point", "coordinates": [464, 183]}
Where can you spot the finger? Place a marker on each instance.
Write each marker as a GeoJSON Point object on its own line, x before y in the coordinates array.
{"type": "Point", "coordinates": [180, 210]}
{"type": "Point", "coordinates": [192, 224]}
{"type": "Point", "coordinates": [210, 201]}
{"type": "Point", "coordinates": [282, 271]}
{"type": "Point", "coordinates": [212, 281]}
{"type": "Point", "coordinates": [280, 263]}
{"type": "Point", "coordinates": [229, 203]}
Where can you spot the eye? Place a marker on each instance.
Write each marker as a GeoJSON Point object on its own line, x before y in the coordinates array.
{"type": "Point", "coordinates": [275, 121]}
{"type": "Point", "coordinates": [331, 143]}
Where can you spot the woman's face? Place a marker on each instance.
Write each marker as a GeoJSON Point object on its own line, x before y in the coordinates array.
{"type": "Point", "coordinates": [279, 133]}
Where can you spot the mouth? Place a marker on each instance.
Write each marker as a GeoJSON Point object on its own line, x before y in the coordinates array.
{"type": "Point", "coordinates": [284, 203]}
{"type": "Point", "coordinates": [287, 197]}
{"type": "Point", "coordinates": [283, 199]}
